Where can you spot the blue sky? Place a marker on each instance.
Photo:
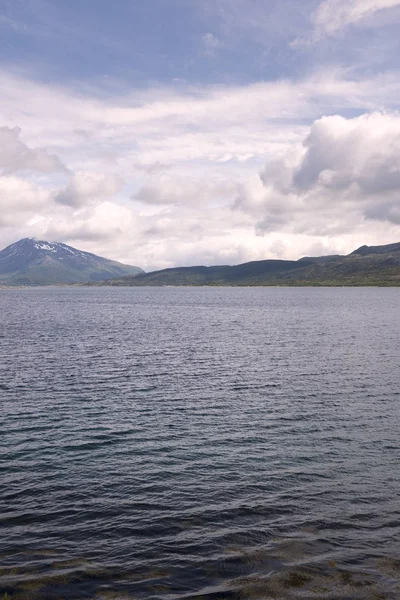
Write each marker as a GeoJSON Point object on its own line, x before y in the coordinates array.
{"type": "Point", "coordinates": [185, 41]}
{"type": "Point", "coordinates": [164, 41]}
{"type": "Point", "coordinates": [166, 132]}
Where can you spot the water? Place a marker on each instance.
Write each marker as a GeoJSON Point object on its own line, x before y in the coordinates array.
{"type": "Point", "coordinates": [200, 443]}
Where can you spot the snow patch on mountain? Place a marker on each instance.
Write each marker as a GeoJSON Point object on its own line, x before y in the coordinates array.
{"type": "Point", "coordinates": [45, 246]}
{"type": "Point", "coordinates": [39, 262]}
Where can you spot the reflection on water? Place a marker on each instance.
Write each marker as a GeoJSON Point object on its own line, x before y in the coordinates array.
{"type": "Point", "coordinates": [199, 443]}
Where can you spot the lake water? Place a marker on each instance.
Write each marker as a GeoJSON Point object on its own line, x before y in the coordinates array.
{"type": "Point", "coordinates": [200, 443]}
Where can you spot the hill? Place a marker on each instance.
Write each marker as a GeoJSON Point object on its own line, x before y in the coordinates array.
{"type": "Point", "coordinates": [368, 265]}
{"type": "Point", "coordinates": [37, 262]}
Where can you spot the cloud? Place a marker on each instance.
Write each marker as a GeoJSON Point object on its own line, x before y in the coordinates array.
{"type": "Point", "coordinates": [21, 200]}
{"type": "Point", "coordinates": [84, 187]}
{"type": "Point", "coordinates": [333, 15]}
{"type": "Point", "coordinates": [346, 173]}
{"type": "Point", "coordinates": [211, 43]}
{"type": "Point", "coordinates": [169, 176]}
{"type": "Point", "coordinates": [16, 156]}
{"type": "Point", "coordinates": [342, 153]}
{"type": "Point", "coordinates": [172, 126]}
{"type": "Point", "coordinates": [102, 223]}
{"type": "Point", "coordinates": [178, 190]}
{"type": "Point", "coordinates": [151, 168]}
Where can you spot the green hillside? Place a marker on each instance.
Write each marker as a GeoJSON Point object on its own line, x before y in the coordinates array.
{"type": "Point", "coordinates": [375, 265]}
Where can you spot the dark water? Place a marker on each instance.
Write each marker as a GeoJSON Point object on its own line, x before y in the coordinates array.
{"type": "Point", "coordinates": [200, 443]}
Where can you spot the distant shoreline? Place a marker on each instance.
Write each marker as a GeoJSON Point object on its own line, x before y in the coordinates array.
{"type": "Point", "coordinates": [161, 286]}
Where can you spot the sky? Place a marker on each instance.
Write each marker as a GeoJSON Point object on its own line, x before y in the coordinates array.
{"type": "Point", "coordinates": [184, 132]}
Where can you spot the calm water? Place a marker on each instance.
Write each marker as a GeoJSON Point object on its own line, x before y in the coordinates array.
{"type": "Point", "coordinates": [210, 443]}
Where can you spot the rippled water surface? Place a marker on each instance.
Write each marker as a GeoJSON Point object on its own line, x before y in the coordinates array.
{"type": "Point", "coordinates": [199, 443]}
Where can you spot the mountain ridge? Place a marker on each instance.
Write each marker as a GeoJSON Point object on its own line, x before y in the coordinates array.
{"type": "Point", "coordinates": [367, 265]}
{"type": "Point", "coordinates": [39, 262]}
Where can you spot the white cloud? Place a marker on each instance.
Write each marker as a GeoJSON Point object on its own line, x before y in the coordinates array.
{"type": "Point", "coordinates": [333, 15]}
{"type": "Point", "coordinates": [346, 175]}
{"type": "Point", "coordinates": [84, 187]}
{"type": "Point", "coordinates": [154, 176]}
{"type": "Point", "coordinates": [102, 224]}
{"type": "Point", "coordinates": [16, 156]}
{"type": "Point", "coordinates": [151, 168]}
{"type": "Point", "coordinates": [361, 153]}
{"type": "Point", "coordinates": [197, 124]}
{"type": "Point", "coordinates": [20, 200]}
{"type": "Point", "coordinates": [178, 190]}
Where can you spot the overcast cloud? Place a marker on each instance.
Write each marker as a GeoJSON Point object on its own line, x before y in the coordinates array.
{"type": "Point", "coordinates": [252, 147]}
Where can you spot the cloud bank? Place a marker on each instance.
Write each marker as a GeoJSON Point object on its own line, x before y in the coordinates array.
{"type": "Point", "coordinates": [223, 174]}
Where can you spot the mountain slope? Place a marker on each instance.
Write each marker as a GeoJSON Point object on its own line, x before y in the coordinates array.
{"type": "Point", "coordinates": [375, 265]}
{"type": "Point", "coordinates": [35, 262]}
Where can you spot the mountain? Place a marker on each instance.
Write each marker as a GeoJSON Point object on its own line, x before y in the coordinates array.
{"type": "Point", "coordinates": [36, 262]}
{"type": "Point", "coordinates": [388, 249]}
{"type": "Point", "coordinates": [368, 265]}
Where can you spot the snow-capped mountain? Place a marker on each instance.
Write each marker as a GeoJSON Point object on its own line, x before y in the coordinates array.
{"type": "Point", "coordinates": [37, 262]}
